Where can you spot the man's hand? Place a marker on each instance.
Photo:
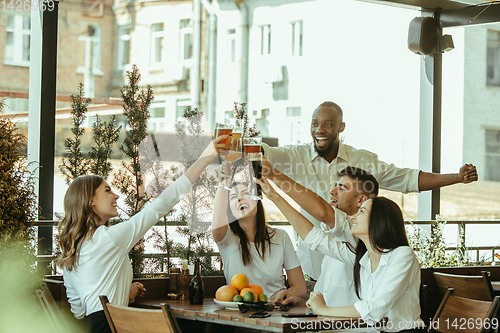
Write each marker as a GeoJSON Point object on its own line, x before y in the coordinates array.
{"type": "Point", "coordinates": [467, 174]}
{"type": "Point", "coordinates": [136, 289]}
{"type": "Point", "coordinates": [283, 298]}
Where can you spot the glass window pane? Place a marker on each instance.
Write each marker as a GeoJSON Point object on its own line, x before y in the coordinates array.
{"type": "Point", "coordinates": [9, 46]}
{"type": "Point", "coordinates": [26, 47]}
{"type": "Point", "coordinates": [158, 46]}
{"type": "Point", "coordinates": [26, 23]}
{"type": "Point", "coordinates": [187, 46]}
{"type": "Point", "coordinates": [10, 21]}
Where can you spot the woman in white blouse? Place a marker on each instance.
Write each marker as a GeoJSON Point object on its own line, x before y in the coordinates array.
{"type": "Point", "coordinates": [386, 271]}
{"type": "Point", "coordinates": [249, 246]}
{"type": "Point", "coordinates": [94, 256]}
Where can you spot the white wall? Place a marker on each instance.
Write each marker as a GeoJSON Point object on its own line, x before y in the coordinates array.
{"type": "Point", "coordinates": [354, 54]}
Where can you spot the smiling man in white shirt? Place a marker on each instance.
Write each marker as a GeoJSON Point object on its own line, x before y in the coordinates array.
{"type": "Point", "coordinates": [353, 187]}
{"type": "Point", "coordinates": [315, 166]}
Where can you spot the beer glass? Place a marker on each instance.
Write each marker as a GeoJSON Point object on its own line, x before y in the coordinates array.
{"type": "Point", "coordinates": [253, 155]}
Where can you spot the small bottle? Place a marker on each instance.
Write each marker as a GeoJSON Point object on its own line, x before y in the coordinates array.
{"type": "Point", "coordinates": [196, 286]}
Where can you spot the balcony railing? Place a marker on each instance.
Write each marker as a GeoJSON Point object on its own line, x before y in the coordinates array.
{"type": "Point", "coordinates": [462, 228]}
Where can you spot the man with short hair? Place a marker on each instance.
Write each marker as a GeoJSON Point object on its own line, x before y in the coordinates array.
{"type": "Point", "coordinates": [353, 187]}
{"type": "Point", "coordinates": [315, 166]}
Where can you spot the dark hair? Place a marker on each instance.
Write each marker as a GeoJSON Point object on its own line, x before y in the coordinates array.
{"type": "Point", "coordinates": [386, 231]}
{"type": "Point", "coordinates": [263, 236]}
{"type": "Point", "coordinates": [368, 182]}
{"type": "Point", "coordinates": [333, 105]}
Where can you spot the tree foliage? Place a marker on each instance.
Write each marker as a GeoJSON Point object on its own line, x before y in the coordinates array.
{"type": "Point", "coordinates": [129, 179]}
{"type": "Point", "coordinates": [430, 249]}
{"type": "Point", "coordinates": [104, 135]}
{"type": "Point", "coordinates": [75, 164]}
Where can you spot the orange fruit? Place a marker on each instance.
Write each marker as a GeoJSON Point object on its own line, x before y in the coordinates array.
{"type": "Point", "coordinates": [239, 281]}
{"type": "Point", "coordinates": [245, 290]}
{"type": "Point", "coordinates": [255, 287]}
{"type": "Point", "coordinates": [226, 293]}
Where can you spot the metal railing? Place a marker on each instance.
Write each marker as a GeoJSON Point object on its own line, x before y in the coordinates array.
{"type": "Point", "coordinates": [47, 259]}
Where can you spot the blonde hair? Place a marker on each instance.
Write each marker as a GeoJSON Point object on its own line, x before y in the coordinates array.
{"type": "Point", "coordinates": [80, 220]}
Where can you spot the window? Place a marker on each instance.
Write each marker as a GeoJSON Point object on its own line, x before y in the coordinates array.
{"type": "Point", "coordinates": [262, 123]}
{"type": "Point", "coordinates": [297, 38]}
{"type": "Point", "coordinates": [156, 43]}
{"type": "Point", "coordinates": [294, 124]}
{"type": "Point", "coordinates": [186, 31]}
{"type": "Point", "coordinates": [492, 155]}
{"type": "Point", "coordinates": [493, 59]}
{"type": "Point", "coordinates": [180, 107]}
{"type": "Point", "coordinates": [92, 51]}
{"type": "Point", "coordinates": [123, 46]}
{"type": "Point", "coordinates": [231, 45]}
{"type": "Point", "coordinates": [265, 39]}
{"type": "Point", "coordinates": [157, 121]}
{"type": "Point", "coordinates": [17, 46]}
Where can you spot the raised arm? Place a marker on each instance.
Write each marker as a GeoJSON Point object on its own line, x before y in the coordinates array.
{"type": "Point", "coordinates": [429, 181]}
{"type": "Point", "coordinates": [308, 200]}
{"type": "Point", "coordinates": [207, 157]}
{"type": "Point", "coordinates": [220, 220]}
{"type": "Point", "coordinates": [301, 225]}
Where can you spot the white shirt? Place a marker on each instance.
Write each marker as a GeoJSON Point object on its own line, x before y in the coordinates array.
{"type": "Point", "coordinates": [267, 272]}
{"type": "Point", "coordinates": [336, 279]}
{"type": "Point", "coordinates": [303, 164]}
{"type": "Point", "coordinates": [391, 291]}
{"type": "Point", "coordinates": [104, 266]}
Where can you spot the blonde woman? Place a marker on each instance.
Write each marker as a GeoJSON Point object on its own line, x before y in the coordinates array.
{"type": "Point", "coordinates": [94, 256]}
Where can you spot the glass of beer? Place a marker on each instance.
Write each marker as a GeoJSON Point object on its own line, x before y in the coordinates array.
{"type": "Point", "coordinates": [251, 147]}
{"type": "Point", "coordinates": [255, 168]}
{"type": "Point", "coordinates": [235, 149]}
{"type": "Point", "coordinates": [223, 128]}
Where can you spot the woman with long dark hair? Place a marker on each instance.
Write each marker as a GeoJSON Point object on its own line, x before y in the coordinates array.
{"type": "Point", "coordinates": [94, 256]}
{"type": "Point", "coordinates": [249, 246]}
{"type": "Point", "coordinates": [386, 271]}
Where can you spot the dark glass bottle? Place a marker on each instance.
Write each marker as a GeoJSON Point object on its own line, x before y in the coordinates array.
{"type": "Point", "coordinates": [196, 286]}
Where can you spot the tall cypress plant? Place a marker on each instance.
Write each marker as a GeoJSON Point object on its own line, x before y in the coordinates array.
{"type": "Point", "coordinates": [75, 164]}
{"type": "Point", "coordinates": [129, 179]}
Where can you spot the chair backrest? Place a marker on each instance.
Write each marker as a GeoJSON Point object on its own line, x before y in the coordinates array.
{"type": "Point", "coordinates": [458, 314]}
{"type": "Point", "coordinates": [124, 319]}
{"type": "Point", "coordinates": [473, 287]}
{"type": "Point", "coordinates": [51, 309]}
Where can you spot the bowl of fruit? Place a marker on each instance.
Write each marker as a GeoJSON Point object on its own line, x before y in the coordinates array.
{"type": "Point", "coordinates": [238, 292]}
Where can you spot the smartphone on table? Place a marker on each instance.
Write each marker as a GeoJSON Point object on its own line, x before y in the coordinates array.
{"type": "Point", "coordinates": [298, 314]}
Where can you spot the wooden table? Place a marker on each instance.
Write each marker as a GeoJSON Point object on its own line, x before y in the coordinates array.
{"type": "Point", "coordinates": [210, 312]}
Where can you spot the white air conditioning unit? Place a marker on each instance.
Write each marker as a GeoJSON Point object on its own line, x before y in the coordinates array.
{"type": "Point", "coordinates": [275, 74]}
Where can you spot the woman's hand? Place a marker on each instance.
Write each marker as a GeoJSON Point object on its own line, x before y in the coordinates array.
{"type": "Point", "coordinates": [316, 302]}
{"type": "Point", "coordinates": [268, 189]}
{"type": "Point", "coordinates": [215, 147]}
{"type": "Point", "coordinates": [136, 289]}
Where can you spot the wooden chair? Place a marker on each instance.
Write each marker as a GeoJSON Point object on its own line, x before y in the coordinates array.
{"type": "Point", "coordinates": [457, 314]}
{"type": "Point", "coordinates": [473, 287]}
{"type": "Point", "coordinates": [51, 309]}
{"type": "Point", "coordinates": [124, 319]}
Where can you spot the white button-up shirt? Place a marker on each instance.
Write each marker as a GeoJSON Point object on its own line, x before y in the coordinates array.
{"type": "Point", "coordinates": [336, 279]}
{"type": "Point", "coordinates": [391, 291]}
{"type": "Point", "coordinates": [303, 164]}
